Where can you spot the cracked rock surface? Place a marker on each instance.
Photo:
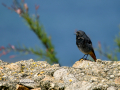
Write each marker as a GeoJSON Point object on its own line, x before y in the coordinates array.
{"type": "Point", "coordinates": [40, 75]}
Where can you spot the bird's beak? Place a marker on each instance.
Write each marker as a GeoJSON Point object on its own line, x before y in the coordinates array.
{"type": "Point", "coordinates": [75, 33]}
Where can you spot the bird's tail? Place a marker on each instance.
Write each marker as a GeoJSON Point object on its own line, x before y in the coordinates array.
{"type": "Point", "coordinates": [92, 54]}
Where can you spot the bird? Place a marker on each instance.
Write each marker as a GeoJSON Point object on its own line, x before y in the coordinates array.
{"type": "Point", "coordinates": [84, 44]}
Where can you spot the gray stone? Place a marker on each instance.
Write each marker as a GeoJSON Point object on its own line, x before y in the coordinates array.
{"type": "Point", "coordinates": [27, 82]}
{"type": "Point", "coordinates": [111, 88]}
{"type": "Point", "coordinates": [58, 75]}
{"type": "Point", "coordinates": [83, 75]}
{"type": "Point", "coordinates": [80, 86]}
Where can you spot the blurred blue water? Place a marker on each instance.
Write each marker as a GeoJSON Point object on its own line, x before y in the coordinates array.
{"type": "Point", "coordinates": [98, 18]}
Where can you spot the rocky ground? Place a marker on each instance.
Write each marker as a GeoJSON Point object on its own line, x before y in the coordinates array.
{"type": "Point", "coordinates": [39, 75]}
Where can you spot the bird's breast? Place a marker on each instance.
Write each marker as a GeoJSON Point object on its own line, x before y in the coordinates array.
{"type": "Point", "coordinates": [84, 48]}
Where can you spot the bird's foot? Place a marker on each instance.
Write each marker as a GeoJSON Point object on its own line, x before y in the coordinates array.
{"type": "Point", "coordinates": [81, 59]}
{"type": "Point", "coordinates": [84, 59]}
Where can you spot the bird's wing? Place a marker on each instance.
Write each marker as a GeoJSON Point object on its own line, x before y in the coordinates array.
{"type": "Point", "coordinates": [87, 39]}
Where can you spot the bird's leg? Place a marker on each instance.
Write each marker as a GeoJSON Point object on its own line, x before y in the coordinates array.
{"type": "Point", "coordinates": [82, 57]}
{"type": "Point", "coordinates": [86, 57]}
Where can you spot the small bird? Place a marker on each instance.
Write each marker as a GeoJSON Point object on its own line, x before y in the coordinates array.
{"type": "Point", "coordinates": [84, 44]}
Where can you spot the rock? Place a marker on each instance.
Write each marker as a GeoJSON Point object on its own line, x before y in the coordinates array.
{"type": "Point", "coordinates": [58, 74]}
{"type": "Point", "coordinates": [111, 76]}
{"type": "Point", "coordinates": [80, 86]}
{"type": "Point", "coordinates": [40, 75]}
{"type": "Point", "coordinates": [111, 88]}
{"type": "Point", "coordinates": [27, 82]}
{"type": "Point", "coordinates": [14, 66]}
{"type": "Point", "coordinates": [21, 87]}
{"type": "Point", "coordinates": [36, 89]}
{"type": "Point", "coordinates": [2, 63]}
{"type": "Point", "coordinates": [117, 80]}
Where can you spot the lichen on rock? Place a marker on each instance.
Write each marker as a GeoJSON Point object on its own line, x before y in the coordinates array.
{"type": "Point", "coordinates": [40, 75]}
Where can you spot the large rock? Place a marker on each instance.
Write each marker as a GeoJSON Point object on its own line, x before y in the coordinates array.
{"type": "Point", "coordinates": [39, 75]}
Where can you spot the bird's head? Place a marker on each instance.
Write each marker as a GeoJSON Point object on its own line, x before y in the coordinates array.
{"type": "Point", "coordinates": [79, 33]}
